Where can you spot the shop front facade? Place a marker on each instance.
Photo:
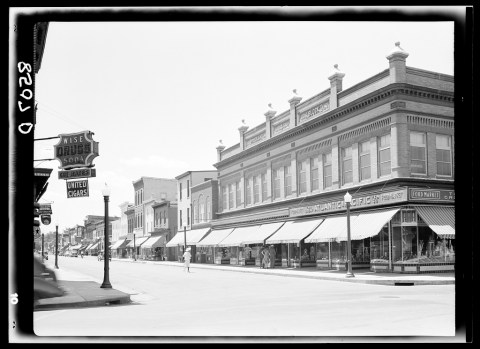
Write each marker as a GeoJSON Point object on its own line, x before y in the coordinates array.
{"type": "Point", "coordinates": [388, 141]}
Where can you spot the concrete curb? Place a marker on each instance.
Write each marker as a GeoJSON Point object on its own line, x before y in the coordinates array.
{"type": "Point", "coordinates": [390, 280]}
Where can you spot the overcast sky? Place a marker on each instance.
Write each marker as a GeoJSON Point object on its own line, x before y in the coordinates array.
{"type": "Point", "coordinates": [159, 96]}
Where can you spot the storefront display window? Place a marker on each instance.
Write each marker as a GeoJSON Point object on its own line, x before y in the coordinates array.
{"type": "Point", "coordinates": [433, 249]}
{"type": "Point", "coordinates": [379, 246]}
{"type": "Point", "coordinates": [308, 252]}
{"type": "Point", "coordinates": [339, 250]}
{"type": "Point", "coordinates": [322, 251]}
{"type": "Point", "coordinates": [361, 250]}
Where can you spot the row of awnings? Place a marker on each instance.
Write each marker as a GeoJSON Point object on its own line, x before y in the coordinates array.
{"type": "Point", "coordinates": [362, 225]}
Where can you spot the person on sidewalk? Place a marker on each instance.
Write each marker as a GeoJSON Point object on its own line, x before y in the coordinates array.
{"type": "Point", "coordinates": [186, 259]}
{"type": "Point", "coordinates": [266, 258]}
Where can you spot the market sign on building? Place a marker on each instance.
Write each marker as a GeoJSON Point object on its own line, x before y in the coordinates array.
{"type": "Point", "coordinates": [76, 150]}
{"type": "Point", "coordinates": [431, 194]}
{"type": "Point", "coordinates": [77, 189]}
{"type": "Point", "coordinates": [363, 201]}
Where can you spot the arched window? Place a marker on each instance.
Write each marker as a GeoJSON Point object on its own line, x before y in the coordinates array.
{"type": "Point", "coordinates": [195, 212]}
{"type": "Point", "coordinates": [209, 209]}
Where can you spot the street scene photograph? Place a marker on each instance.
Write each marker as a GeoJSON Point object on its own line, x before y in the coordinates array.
{"type": "Point", "coordinates": [271, 174]}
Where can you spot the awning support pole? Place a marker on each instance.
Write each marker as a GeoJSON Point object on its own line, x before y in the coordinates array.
{"type": "Point", "coordinates": [390, 245]}
{"type": "Point", "coordinates": [329, 254]}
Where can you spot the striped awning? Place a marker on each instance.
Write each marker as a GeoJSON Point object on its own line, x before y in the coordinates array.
{"type": "Point", "coordinates": [258, 236]}
{"type": "Point", "coordinates": [137, 242]}
{"type": "Point", "coordinates": [215, 237]}
{"type": "Point", "coordinates": [367, 224]}
{"type": "Point", "coordinates": [237, 237]}
{"type": "Point", "coordinates": [154, 241]}
{"type": "Point", "coordinates": [294, 231]}
{"type": "Point", "coordinates": [440, 219]}
{"type": "Point", "coordinates": [120, 244]}
{"type": "Point", "coordinates": [330, 229]}
{"type": "Point", "coordinates": [192, 237]}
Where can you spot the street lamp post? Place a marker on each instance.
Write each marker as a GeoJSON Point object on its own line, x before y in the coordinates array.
{"type": "Point", "coordinates": [56, 246]}
{"type": "Point", "coordinates": [106, 281]}
{"type": "Point", "coordinates": [348, 199]}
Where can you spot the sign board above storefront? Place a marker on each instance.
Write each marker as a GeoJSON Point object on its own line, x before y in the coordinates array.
{"type": "Point", "coordinates": [76, 150]}
{"type": "Point", "coordinates": [45, 209]}
{"type": "Point", "coordinates": [76, 189]}
{"type": "Point", "coordinates": [418, 194]}
{"type": "Point", "coordinates": [365, 201]}
{"type": "Point", "coordinates": [77, 173]}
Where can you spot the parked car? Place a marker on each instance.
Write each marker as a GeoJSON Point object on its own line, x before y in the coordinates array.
{"type": "Point", "coordinates": [45, 284]}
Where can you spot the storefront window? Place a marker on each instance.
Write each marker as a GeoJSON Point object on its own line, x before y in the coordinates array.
{"type": "Point", "coordinates": [433, 249]}
{"type": "Point", "coordinates": [322, 251]}
{"type": "Point", "coordinates": [339, 251]}
{"type": "Point", "coordinates": [308, 252]}
{"type": "Point", "coordinates": [409, 244]}
{"type": "Point", "coordinates": [361, 250]}
{"type": "Point", "coordinates": [379, 246]}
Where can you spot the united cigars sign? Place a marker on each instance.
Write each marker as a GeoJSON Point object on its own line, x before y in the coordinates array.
{"type": "Point", "coordinates": [76, 150]}
{"type": "Point", "coordinates": [359, 201]}
{"type": "Point", "coordinates": [77, 189]}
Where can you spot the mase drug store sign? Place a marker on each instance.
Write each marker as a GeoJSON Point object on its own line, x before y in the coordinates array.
{"type": "Point", "coordinates": [77, 189]}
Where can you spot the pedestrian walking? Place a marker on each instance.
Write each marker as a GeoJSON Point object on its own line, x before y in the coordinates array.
{"type": "Point", "coordinates": [186, 259]}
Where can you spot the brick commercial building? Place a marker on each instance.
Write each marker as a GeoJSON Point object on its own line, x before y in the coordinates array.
{"type": "Point", "coordinates": [388, 141]}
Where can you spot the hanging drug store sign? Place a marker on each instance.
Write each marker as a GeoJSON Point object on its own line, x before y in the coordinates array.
{"type": "Point", "coordinates": [78, 173]}
{"type": "Point", "coordinates": [357, 201]}
{"type": "Point", "coordinates": [76, 150]}
{"type": "Point", "coordinates": [77, 189]}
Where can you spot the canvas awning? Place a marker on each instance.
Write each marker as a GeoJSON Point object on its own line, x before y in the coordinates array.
{"type": "Point", "coordinates": [154, 241]}
{"type": "Point", "coordinates": [193, 236]}
{"type": "Point", "coordinates": [367, 224]}
{"type": "Point", "coordinates": [89, 246]}
{"type": "Point", "coordinates": [138, 241]}
{"type": "Point", "coordinates": [440, 219]}
{"type": "Point", "coordinates": [120, 244]}
{"type": "Point", "coordinates": [237, 237]}
{"type": "Point", "coordinates": [215, 237]}
{"type": "Point", "coordinates": [259, 235]}
{"type": "Point", "coordinates": [94, 247]}
{"type": "Point", "coordinates": [294, 231]}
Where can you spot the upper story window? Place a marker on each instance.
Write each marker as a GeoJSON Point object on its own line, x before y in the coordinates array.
{"type": "Point", "coordinates": [302, 177]}
{"type": "Point", "coordinates": [180, 217]}
{"type": "Point", "coordinates": [188, 188]}
{"type": "Point", "coordinates": [238, 196]}
{"type": "Point", "coordinates": [364, 160]}
{"type": "Point", "coordinates": [287, 172]}
{"type": "Point", "coordinates": [327, 170]}
{"type": "Point", "coordinates": [195, 212]}
{"type": "Point", "coordinates": [264, 186]}
{"type": "Point", "coordinates": [444, 155]}
{"type": "Point", "coordinates": [314, 173]}
{"type": "Point", "coordinates": [347, 166]}
{"type": "Point", "coordinates": [384, 163]}
{"type": "Point", "coordinates": [418, 153]}
{"type": "Point", "coordinates": [230, 196]}
{"type": "Point", "coordinates": [256, 189]}
{"type": "Point", "coordinates": [248, 191]}
{"type": "Point", "coordinates": [180, 190]}
{"type": "Point", "coordinates": [224, 197]}
{"type": "Point", "coordinates": [209, 209]}
{"type": "Point", "coordinates": [188, 216]}
{"type": "Point", "coordinates": [164, 217]}
{"type": "Point", "coordinates": [201, 203]}
{"type": "Point", "coordinates": [276, 183]}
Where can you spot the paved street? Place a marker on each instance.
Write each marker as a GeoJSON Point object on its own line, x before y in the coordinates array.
{"type": "Point", "coordinates": [168, 302]}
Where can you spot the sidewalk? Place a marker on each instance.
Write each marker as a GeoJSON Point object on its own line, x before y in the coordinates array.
{"type": "Point", "coordinates": [361, 276]}
{"type": "Point", "coordinates": [81, 291]}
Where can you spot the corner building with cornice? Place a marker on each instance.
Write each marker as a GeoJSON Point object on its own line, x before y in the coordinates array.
{"type": "Point", "coordinates": [388, 141]}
